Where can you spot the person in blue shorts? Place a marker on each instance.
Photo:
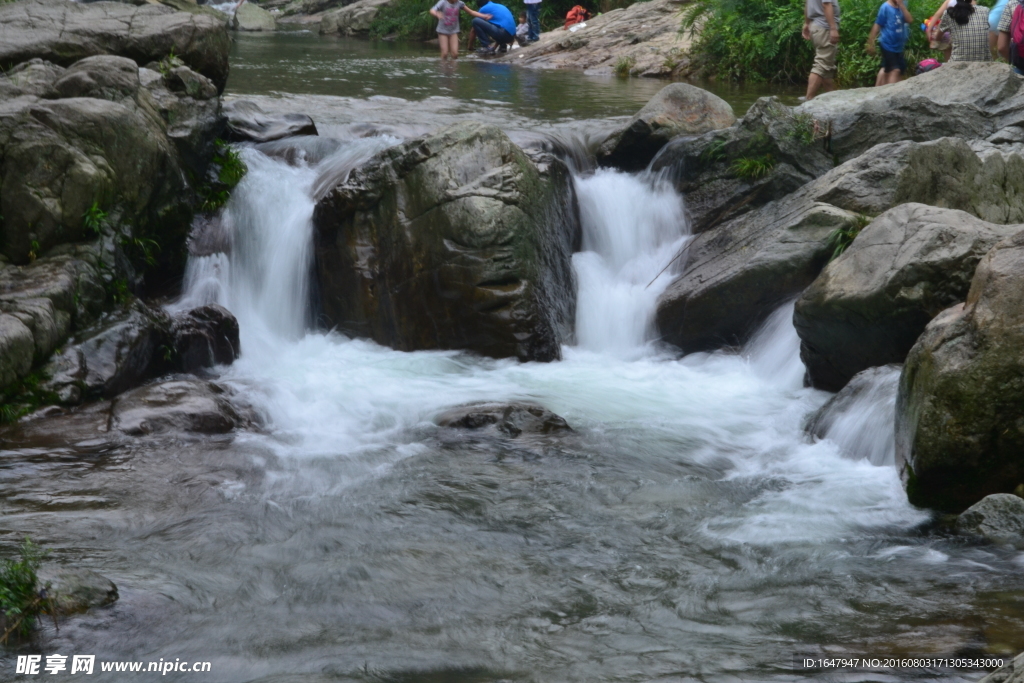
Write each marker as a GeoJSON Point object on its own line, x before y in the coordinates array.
{"type": "Point", "coordinates": [890, 29]}
{"type": "Point", "coordinates": [498, 30]}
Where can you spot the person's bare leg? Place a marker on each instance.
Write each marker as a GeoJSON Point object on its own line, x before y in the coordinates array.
{"type": "Point", "coordinates": [453, 45]}
{"type": "Point", "coordinates": [814, 82]}
{"type": "Point", "coordinates": [828, 84]}
{"type": "Point", "coordinates": [442, 40]}
{"type": "Point", "coordinates": [993, 44]}
{"type": "Point", "coordinates": [880, 79]}
{"type": "Point", "coordinates": [893, 76]}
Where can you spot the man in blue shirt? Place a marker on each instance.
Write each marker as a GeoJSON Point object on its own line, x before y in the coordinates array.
{"type": "Point", "coordinates": [499, 29]}
{"type": "Point", "coordinates": [892, 21]}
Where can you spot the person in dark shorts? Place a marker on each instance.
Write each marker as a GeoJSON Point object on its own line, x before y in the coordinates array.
{"type": "Point", "coordinates": [890, 28]}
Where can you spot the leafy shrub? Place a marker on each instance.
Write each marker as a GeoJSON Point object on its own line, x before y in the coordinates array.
{"type": "Point", "coordinates": [94, 218]}
{"type": "Point", "coordinates": [624, 65]}
{"type": "Point", "coordinates": [760, 41]}
{"type": "Point", "coordinates": [752, 168]}
{"type": "Point", "coordinates": [841, 238]}
{"type": "Point", "coordinates": [22, 599]}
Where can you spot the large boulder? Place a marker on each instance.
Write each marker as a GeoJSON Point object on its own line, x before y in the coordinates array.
{"type": "Point", "coordinates": [251, 17]}
{"type": "Point", "coordinates": [960, 412]}
{"type": "Point", "coordinates": [766, 155]}
{"type": "Point", "coordinates": [998, 518]}
{"type": "Point", "coordinates": [677, 109]}
{"type": "Point", "coordinates": [78, 590]}
{"type": "Point", "coordinates": [352, 19]}
{"type": "Point", "coordinates": [247, 122]}
{"type": "Point", "coordinates": [64, 32]}
{"type": "Point", "coordinates": [187, 405]}
{"type": "Point", "coordinates": [204, 337]}
{"type": "Point", "coordinates": [733, 276]}
{"type": "Point", "coordinates": [869, 306]}
{"type": "Point", "coordinates": [452, 241]}
{"type": "Point", "coordinates": [970, 100]}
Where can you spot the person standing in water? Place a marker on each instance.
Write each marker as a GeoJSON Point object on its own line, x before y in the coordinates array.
{"type": "Point", "coordinates": [447, 14]}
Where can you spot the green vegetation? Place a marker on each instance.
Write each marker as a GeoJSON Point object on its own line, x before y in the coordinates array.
{"type": "Point", "coordinates": [624, 66]}
{"type": "Point", "coordinates": [841, 238]}
{"type": "Point", "coordinates": [760, 41]}
{"type": "Point", "coordinates": [23, 396]}
{"type": "Point", "coordinates": [22, 599]}
{"type": "Point", "coordinates": [227, 170]}
{"type": "Point", "coordinates": [752, 168]}
{"type": "Point", "coordinates": [94, 218]}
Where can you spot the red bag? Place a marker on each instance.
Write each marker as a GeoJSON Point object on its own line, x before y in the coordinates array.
{"type": "Point", "coordinates": [576, 15]}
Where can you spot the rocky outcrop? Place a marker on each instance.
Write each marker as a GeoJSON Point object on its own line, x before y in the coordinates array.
{"type": "Point", "coordinates": [677, 109]}
{"type": "Point", "coordinates": [960, 413]}
{"type": "Point", "coordinates": [251, 17]}
{"type": "Point", "coordinates": [735, 274]}
{"type": "Point", "coordinates": [353, 19]}
{"type": "Point", "coordinates": [998, 518]}
{"type": "Point", "coordinates": [111, 145]}
{"type": "Point", "coordinates": [766, 155]}
{"type": "Point", "coordinates": [182, 405]}
{"type": "Point", "coordinates": [641, 40]}
{"type": "Point", "coordinates": [247, 122]}
{"type": "Point", "coordinates": [65, 32]}
{"type": "Point", "coordinates": [77, 590]}
{"type": "Point", "coordinates": [971, 100]}
{"type": "Point", "coordinates": [128, 347]}
{"type": "Point", "coordinates": [870, 305]}
{"type": "Point", "coordinates": [1011, 672]}
{"type": "Point", "coordinates": [508, 419]}
{"type": "Point", "coordinates": [452, 241]}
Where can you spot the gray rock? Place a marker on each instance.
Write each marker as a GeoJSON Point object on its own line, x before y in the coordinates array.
{"type": "Point", "coordinates": [734, 275]}
{"type": "Point", "coordinates": [1011, 672]}
{"type": "Point", "coordinates": [966, 99]}
{"type": "Point", "coordinates": [452, 241]}
{"type": "Point", "coordinates": [204, 337]}
{"type": "Point", "coordinates": [248, 122]}
{"type": "Point", "coordinates": [105, 77]}
{"type": "Point", "coordinates": [64, 32]}
{"type": "Point", "coordinates": [84, 431]}
{"type": "Point", "coordinates": [960, 411]}
{"type": "Point", "coordinates": [17, 348]}
{"type": "Point", "coordinates": [352, 19]}
{"type": "Point", "coordinates": [869, 306]}
{"type": "Point", "coordinates": [998, 517]}
{"type": "Point", "coordinates": [509, 419]}
{"type": "Point", "coordinates": [187, 405]}
{"type": "Point", "coordinates": [677, 109]}
{"type": "Point", "coordinates": [251, 17]}
{"type": "Point", "coordinates": [78, 590]}
{"type": "Point", "coordinates": [705, 167]}
{"type": "Point", "coordinates": [34, 78]}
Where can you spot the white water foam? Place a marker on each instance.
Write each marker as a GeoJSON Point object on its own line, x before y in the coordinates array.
{"type": "Point", "coordinates": [326, 396]}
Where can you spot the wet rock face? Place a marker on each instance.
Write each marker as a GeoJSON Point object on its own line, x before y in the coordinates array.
{"type": "Point", "coordinates": [452, 241]}
{"type": "Point", "coordinates": [510, 420]}
{"type": "Point", "coordinates": [77, 590]}
{"type": "Point", "coordinates": [247, 122]}
{"type": "Point", "coordinates": [970, 100]}
{"type": "Point", "coordinates": [186, 405]}
{"type": "Point", "coordinates": [960, 410]}
{"type": "Point", "coordinates": [65, 32]}
{"type": "Point", "coordinates": [204, 337]}
{"type": "Point", "coordinates": [870, 305]}
{"type": "Point", "coordinates": [677, 109]}
{"type": "Point", "coordinates": [706, 168]}
{"type": "Point", "coordinates": [998, 518]}
{"type": "Point", "coordinates": [734, 275]}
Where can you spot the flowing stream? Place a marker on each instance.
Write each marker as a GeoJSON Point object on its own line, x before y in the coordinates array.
{"type": "Point", "coordinates": [688, 530]}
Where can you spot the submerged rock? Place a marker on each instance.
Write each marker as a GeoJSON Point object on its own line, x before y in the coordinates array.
{"type": "Point", "coordinates": [452, 241]}
{"type": "Point", "coordinates": [83, 431]}
{"type": "Point", "coordinates": [251, 17]}
{"type": "Point", "coordinates": [64, 32]}
{"type": "Point", "coordinates": [998, 517]}
{"type": "Point", "coordinates": [734, 275]}
{"type": "Point", "coordinates": [970, 100]}
{"type": "Point", "coordinates": [204, 337]}
{"type": "Point", "coordinates": [187, 405]}
{"type": "Point", "coordinates": [78, 590]}
{"type": "Point", "coordinates": [510, 419]}
{"type": "Point", "coordinates": [248, 122]}
{"type": "Point", "coordinates": [870, 305]}
{"type": "Point", "coordinates": [766, 155]}
{"type": "Point", "coordinates": [960, 413]}
{"type": "Point", "coordinates": [677, 109]}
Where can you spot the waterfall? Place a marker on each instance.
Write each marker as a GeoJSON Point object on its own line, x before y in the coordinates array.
{"type": "Point", "coordinates": [774, 350]}
{"type": "Point", "coordinates": [633, 226]}
{"type": "Point", "coordinates": [861, 418]}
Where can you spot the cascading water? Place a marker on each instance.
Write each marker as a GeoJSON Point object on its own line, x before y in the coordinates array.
{"type": "Point", "coordinates": [633, 226]}
{"type": "Point", "coordinates": [774, 350]}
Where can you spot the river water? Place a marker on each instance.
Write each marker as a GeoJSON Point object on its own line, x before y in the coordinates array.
{"type": "Point", "coordinates": [687, 530]}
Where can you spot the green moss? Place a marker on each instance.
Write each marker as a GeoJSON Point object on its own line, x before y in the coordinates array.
{"type": "Point", "coordinates": [24, 396]}
{"type": "Point", "coordinates": [227, 170]}
{"type": "Point", "coordinates": [22, 599]}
